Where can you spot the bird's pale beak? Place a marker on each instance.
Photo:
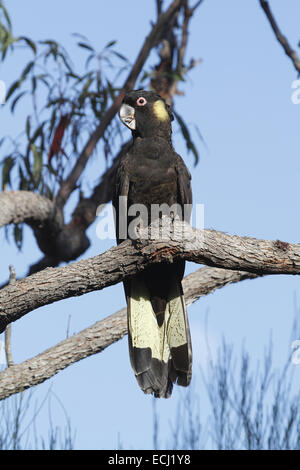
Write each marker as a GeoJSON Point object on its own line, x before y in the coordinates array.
{"type": "Point", "coordinates": [127, 116]}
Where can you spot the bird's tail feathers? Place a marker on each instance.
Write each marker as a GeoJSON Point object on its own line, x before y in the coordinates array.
{"type": "Point", "coordinates": [159, 341]}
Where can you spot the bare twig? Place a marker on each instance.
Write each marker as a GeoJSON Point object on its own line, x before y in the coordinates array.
{"type": "Point", "coordinates": [197, 4]}
{"type": "Point", "coordinates": [8, 353]}
{"type": "Point", "coordinates": [184, 37]}
{"type": "Point", "coordinates": [291, 53]}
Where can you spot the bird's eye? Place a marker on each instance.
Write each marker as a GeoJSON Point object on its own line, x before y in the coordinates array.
{"type": "Point", "coordinates": [141, 101]}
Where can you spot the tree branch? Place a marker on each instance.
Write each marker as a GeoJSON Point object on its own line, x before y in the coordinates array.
{"type": "Point", "coordinates": [171, 67]}
{"type": "Point", "coordinates": [102, 334]}
{"type": "Point", "coordinates": [57, 241]}
{"type": "Point", "coordinates": [291, 53]}
{"type": "Point", "coordinates": [200, 246]}
{"type": "Point", "coordinates": [26, 206]}
{"type": "Point", "coordinates": [197, 4]}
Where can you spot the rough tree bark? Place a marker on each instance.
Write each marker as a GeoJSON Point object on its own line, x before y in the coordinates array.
{"type": "Point", "coordinates": [28, 207]}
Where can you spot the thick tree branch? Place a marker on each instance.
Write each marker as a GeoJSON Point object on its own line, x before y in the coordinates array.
{"type": "Point", "coordinates": [101, 335]}
{"type": "Point", "coordinates": [57, 241]}
{"type": "Point", "coordinates": [26, 206]}
{"type": "Point", "coordinates": [200, 246]}
{"type": "Point", "coordinates": [151, 41]}
{"type": "Point", "coordinates": [290, 52]}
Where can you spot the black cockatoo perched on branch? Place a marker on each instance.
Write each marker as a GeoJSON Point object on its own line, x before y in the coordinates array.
{"type": "Point", "coordinates": [153, 174]}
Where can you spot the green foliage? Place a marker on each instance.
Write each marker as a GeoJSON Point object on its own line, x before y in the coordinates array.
{"type": "Point", "coordinates": [6, 37]}
{"type": "Point", "coordinates": [7, 40]}
{"type": "Point", "coordinates": [7, 166]}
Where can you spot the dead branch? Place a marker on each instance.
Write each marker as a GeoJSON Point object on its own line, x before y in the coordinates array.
{"type": "Point", "coordinates": [290, 52]}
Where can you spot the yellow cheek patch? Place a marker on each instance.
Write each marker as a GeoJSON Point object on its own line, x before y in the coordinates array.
{"type": "Point", "coordinates": [160, 111]}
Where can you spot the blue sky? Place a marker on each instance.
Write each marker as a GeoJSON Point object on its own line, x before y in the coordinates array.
{"type": "Point", "coordinates": [247, 178]}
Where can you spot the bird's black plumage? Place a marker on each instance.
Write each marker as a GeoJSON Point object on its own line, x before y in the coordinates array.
{"type": "Point", "coordinates": [153, 173]}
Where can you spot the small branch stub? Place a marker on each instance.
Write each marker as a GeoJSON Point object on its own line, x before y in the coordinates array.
{"type": "Point", "coordinates": [8, 353]}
